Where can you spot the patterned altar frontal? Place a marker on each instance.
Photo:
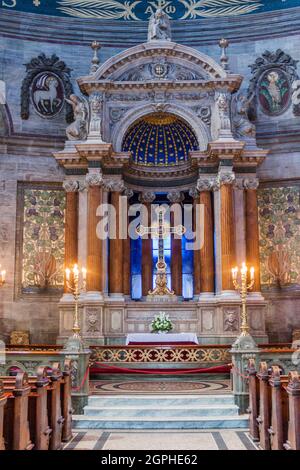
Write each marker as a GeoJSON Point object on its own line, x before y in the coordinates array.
{"type": "Point", "coordinates": [141, 10]}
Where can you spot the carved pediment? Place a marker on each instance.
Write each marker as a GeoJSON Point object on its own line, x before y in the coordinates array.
{"type": "Point", "coordinates": [161, 70]}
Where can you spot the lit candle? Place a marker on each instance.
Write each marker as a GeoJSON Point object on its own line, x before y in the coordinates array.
{"type": "Point", "coordinates": [252, 273]}
{"type": "Point", "coordinates": [234, 272]}
{"type": "Point", "coordinates": [244, 268]}
{"type": "Point", "coordinates": [84, 271]}
{"type": "Point", "coordinates": [68, 274]}
{"type": "Point", "coordinates": [75, 270]}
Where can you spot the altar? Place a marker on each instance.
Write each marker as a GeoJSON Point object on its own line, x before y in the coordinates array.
{"type": "Point", "coordinates": [161, 338]}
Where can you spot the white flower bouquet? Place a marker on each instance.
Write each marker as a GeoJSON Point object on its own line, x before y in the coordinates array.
{"type": "Point", "coordinates": [161, 323]}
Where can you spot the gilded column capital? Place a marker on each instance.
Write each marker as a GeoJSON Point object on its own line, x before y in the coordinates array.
{"type": "Point", "coordinates": [71, 186]}
{"type": "Point", "coordinates": [147, 196]}
{"type": "Point", "coordinates": [175, 197]}
{"type": "Point", "coordinates": [94, 178]}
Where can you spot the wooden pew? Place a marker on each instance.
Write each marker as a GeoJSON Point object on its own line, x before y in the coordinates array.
{"type": "Point", "coordinates": [264, 417]}
{"type": "Point", "coordinates": [55, 417]}
{"type": "Point", "coordinates": [293, 391]}
{"type": "Point", "coordinates": [38, 413]}
{"type": "Point", "coordinates": [37, 407]}
{"type": "Point", "coordinates": [253, 400]}
{"type": "Point", "coordinates": [3, 401]}
{"type": "Point", "coordinates": [16, 424]}
{"type": "Point", "coordinates": [279, 409]}
{"type": "Point", "coordinates": [66, 401]}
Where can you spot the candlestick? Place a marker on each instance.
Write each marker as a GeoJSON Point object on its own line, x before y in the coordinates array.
{"type": "Point", "coordinates": [243, 287]}
{"type": "Point", "coordinates": [76, 286]}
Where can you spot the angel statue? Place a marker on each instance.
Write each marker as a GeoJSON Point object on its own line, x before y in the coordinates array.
{"type": "Point", "coordinates": [77, 130]}
{"type": "Point", "coordinates": [242, 127]}
{"type": "Point", "coordinates": [159, 27]}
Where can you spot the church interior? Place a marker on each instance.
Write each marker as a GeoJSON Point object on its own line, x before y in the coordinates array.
{"type": "Point", "coordinates": [149, 225]}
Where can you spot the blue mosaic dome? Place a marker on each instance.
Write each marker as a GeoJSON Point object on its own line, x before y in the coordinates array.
{"type": "Point", "coordinates": [160, 139]}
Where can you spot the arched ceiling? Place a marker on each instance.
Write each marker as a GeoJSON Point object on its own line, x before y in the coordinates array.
{"type": "Point", "coordinates": [160, 139]}
{"type": "Point", "coordinates": [141, 10]}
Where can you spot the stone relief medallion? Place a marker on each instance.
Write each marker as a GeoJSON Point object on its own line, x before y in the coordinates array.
{"type": "Point", "coordinates": [274, 92]}
{"type": "Point", "coordinates": [47, 94]}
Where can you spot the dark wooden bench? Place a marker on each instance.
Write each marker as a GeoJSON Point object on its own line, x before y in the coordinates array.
{"type": "Point", "coordinates": [3, 401]}
{"type": "Point", "coordinates": [37, 407]}
{"type": "Point", "coordinates": [279, 409]}
{"type": "Point", "coordinates": [293, 391]}
{"type": "Point", "coordinates": [264, 417]}
{"type": "Point", "coordinates": [253, 400]}
{"type": "Point", "coordinates": [55, 417]}
{"type": "Point", "coordinates": [66, 401]}
{"type": "Point", "coordinates": [16, 423]}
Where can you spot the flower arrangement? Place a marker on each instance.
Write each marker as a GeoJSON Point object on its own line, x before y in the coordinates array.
{"type": "Point", "coordinates": [161, 323]}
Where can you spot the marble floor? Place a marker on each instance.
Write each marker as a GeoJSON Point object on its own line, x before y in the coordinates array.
{"type": "Point", "coordinates": [226, 439]}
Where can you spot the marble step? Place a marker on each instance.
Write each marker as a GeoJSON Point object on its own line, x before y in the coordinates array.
{"type": "Point", "coordinates": [163, 400]}
{"type": "Point", "coordinates": [158, 410]}
{"type": "Point", "coordinates": [224, 422]}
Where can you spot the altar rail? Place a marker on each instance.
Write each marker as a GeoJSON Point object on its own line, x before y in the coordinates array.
{"type": "Point", "coordinates": [167, 354]}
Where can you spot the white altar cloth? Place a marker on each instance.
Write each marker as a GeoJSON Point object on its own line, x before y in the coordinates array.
{"type": "Point", "coordinates": [162, 338]}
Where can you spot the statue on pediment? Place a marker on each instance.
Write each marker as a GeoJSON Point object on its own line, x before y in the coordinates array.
{"type": "Point", "coordinates": [159, 27]}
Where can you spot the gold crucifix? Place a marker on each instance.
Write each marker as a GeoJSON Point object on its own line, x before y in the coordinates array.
{"type": "Point", "coordinates": [161, 230]}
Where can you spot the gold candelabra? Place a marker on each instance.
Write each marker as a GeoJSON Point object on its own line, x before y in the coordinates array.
{"type": "Point", "coordinates": [76, 284]}
{"type": "Point", "coordinates": [2, 276]}
{"type": "Point", "coordinates": [243, 287]}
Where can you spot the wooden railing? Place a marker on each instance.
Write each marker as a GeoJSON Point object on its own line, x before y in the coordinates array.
{"type": "Point", "coordinates": [274, 407]}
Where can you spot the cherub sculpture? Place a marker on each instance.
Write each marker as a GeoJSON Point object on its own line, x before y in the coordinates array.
{"type": "Point", "coordinates": [78, 129]}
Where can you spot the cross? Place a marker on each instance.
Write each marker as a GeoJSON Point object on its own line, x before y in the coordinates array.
{"type": "Point", "coordinates": [36, 3]}
{"type": "Point", "coordinates": [161, 230]}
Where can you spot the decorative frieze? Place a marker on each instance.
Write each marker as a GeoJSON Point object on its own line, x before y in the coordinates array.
{"type": "Point", "coordinates": [114, 185]}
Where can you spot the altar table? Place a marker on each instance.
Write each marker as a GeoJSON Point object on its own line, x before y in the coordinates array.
{"type": "Point", "coordinates": [161, 338]}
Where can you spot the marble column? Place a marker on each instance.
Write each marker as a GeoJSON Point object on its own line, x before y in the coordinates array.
{"type": "Point", "coordinates": [225, 180]}
{"type": "Point", "coordinates": [94, 243]}
{"type": "Point", "coordinates": [176, 197]}
{"type": "Point", "coordinates": [196, 197]}
{"type": "Point", "coordinates": [147, 269]}
{"type": "Point", "coordinates": [252, 232]}
{"type": "Point", "coordinates": [206, 252]}
{"type": "Point", "coordinates": [116, 243]}
{"type": "Point", "coordinates": [127, 252]}
{"type": "Point", "coordinates": [71, 224]}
